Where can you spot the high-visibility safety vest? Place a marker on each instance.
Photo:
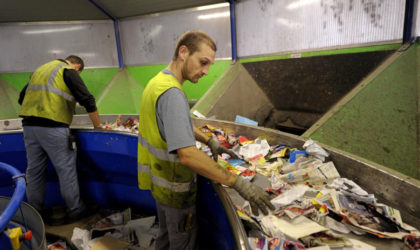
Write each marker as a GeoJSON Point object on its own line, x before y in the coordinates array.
{"type": "Point", "coordinates": [47, 94]}
{"type": "Point", "coordinates": [170, 182]}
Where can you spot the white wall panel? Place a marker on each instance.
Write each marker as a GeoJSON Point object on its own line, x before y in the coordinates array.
{"type": "Point", "coordinates": [151, 39]}
{"type": "Point", "coordinates": [276, 26]}
{"type": "Point", "coordinates": [25, 46]}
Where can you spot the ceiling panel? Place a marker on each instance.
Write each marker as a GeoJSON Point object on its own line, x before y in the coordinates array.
{"type": "Point", "coordinates": [48, 10]}
{"type": "Point", "coordinates": [60, 10]}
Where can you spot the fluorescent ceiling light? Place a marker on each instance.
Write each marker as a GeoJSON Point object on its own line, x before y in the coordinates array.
{"type": "Point", "coordinates": [56, 51]}
{"type": "Point", "coordinates": [214, 15]}
{"type": "Point", "coordinates": [300, 3]}
{"type": "Point", "coordinates": [91, 54]}
{"type": "Point", "coordinates": [53, 30]}
{"type": "Point", "coordinates": [213, 6]}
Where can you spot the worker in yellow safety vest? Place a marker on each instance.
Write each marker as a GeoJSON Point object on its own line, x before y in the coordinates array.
{"type": "Point", "coordinates": [48, 104]}
{"type": "Point", "coordinates": [168, 159]}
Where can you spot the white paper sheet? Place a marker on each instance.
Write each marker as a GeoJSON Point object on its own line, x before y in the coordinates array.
{"type": "Point", "coordinates": [294, 229]}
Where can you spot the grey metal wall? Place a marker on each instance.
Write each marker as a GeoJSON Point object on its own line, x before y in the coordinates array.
{"type": "Point", "coordinates": [151, 39]}
{"type": "Point", "coordinates": [274, 26]}
{"type": "Point", "coordinates": [24, 46]}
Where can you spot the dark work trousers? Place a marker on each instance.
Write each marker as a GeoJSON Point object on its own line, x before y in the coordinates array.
{"type": "Point", "coordinates": [43, 143]}
{"type": "Point", "coordinates": [177, 228]}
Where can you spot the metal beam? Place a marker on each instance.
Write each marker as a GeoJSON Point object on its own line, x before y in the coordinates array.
{"type": "Point", "coordinates": [116, 29]}
{"type": "Point", "coordinates": [409, 22]}
{"type": "Point", "coordinates": [233, 28]}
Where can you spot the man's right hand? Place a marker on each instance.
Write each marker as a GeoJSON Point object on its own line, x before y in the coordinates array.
{"type": "Point", "coordinates": [94, 117]}
{"type": "Point", "coordinates": [257, 197]}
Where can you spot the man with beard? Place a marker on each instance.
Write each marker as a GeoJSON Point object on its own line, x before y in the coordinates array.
{"type": "Point", "coordinates": [168, 159]}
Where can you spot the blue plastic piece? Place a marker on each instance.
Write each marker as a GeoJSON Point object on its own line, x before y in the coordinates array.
{"type": "Point", "coordinates": [233, 29]}
{"type": "Point", "coordinates": [236, 162]}
{"type": "Point", "coordinates": [17, 197]}
{"type": "Point", "coordinates": [293, 154]}
{"type": "Point", "coordinates": [244, 120]}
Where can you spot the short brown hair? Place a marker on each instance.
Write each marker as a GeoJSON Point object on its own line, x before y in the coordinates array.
{"type": "Point", "coordinates": [192, 39]}
{"type": "Point", "coordinates": [76, 60]}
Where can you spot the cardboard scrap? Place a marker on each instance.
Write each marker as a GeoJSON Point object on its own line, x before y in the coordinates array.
{"type": "Point", "coordinates": [109, 243]}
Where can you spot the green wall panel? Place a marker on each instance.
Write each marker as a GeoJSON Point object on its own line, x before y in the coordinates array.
{"type": "Point", "coordinates": [119, 92]}
{"type": "Point", "coordinates": [17, 80]}
{"type": "Point", "coordinates": [9, 107]}
{"type": "Point", "coordinates": [193, 91]}
{"type": "Point", "coordinates": [197, 90]}
{"type": "Point", "coordinates": [144, 73]}
{"type": "Point", "coordinates": [379, 123]}
{"type": "Point", "coordinates": [96, 79]}
{"type": "Point", "coordinates": [12, 83]}
{"type": "Point", "coordinates": [121, 96]}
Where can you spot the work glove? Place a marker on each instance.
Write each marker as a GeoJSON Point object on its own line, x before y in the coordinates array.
{"type": "Point", "coordinates": [256, 196]}
{"type": "Point", "coordinates": [217, 149]}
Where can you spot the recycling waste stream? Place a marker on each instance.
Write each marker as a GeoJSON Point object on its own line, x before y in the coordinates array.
{"type": "Point", "coordinates": [317, 201]}
{"type": "Point", "coordinates": [315, 206]}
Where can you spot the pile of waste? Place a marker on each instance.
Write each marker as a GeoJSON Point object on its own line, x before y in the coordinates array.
{"type": "Point", "coordinates": [117, 230]}
{"type": "Point", "coordinates": [314, 205]}
{"type": "Point", "coordinates": [129, 125]}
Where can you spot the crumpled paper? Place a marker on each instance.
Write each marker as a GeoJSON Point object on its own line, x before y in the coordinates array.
{"type": "Point", "coordinates": [312, 148]}
{"type": "Point", "coordinates": [81, 238]}
{"type": "Point", "coordinates": [252, 149]}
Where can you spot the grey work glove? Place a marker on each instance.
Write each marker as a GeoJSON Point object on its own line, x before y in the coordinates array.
{"type": "Point", "coordinates": [217, 149]}
{"type": "Point", "coordinates": [257, 197]}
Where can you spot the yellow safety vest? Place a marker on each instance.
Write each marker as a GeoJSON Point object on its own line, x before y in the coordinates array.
{"type": "Point", "coordinates": [47, 94]}
{"type": "Point", "coordinates": [171, 183]}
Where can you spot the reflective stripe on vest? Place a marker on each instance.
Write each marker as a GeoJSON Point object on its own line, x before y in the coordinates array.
{"type": "Point", "coordinates": [173, 186]}
{"type": "Point", "coordinates": [49, 87]}
{"type": "Point", "coordinates": [161, 154]}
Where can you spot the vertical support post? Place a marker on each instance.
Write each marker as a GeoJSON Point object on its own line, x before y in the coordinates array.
{"type": "Point", "coordinates": [116, 30]}
{"type": "Point", "coordinates": [233, 29]}
{"type": "Point", "coordinates": [118, 40]}
{"type": "Point", "coordinates": [409, 25]}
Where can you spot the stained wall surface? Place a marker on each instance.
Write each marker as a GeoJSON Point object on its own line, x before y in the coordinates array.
{"type": "Point", "coordinates": [267, 26]}
{"type": "Point", "coordinates": [151, 39]}
{"type": "Point", "coordinates": [24, 46]}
